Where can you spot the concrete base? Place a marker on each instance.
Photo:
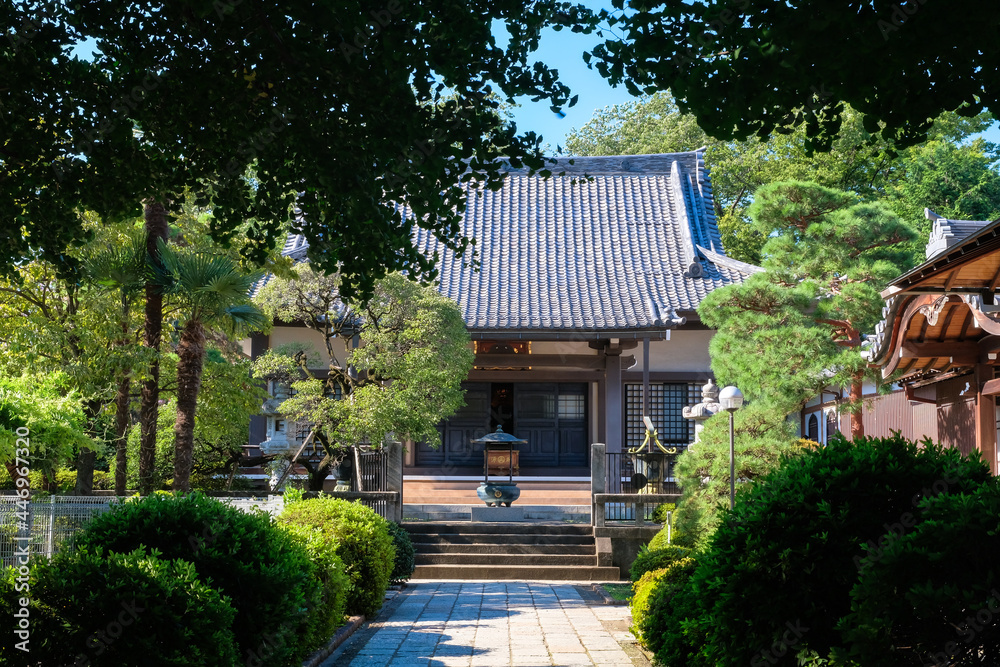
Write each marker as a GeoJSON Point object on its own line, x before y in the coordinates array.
{"type": "Point", "coordinates": [625, 543]}
{"type": "Point", "coordinates": [494, 514]}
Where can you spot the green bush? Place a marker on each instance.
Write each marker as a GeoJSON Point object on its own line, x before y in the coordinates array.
{"type": "Point", "coordinates": [263, 570]}
{"type": "Point", "coordinates": [650, 559]}
{"type": "Point", "coordinates": [95, 608]}
{"type": "Point", "coordinates": [660, 605]}
{"type": "Point", "coordinates": [660, 513]}
{"type": "Point", "coordinates": [930, 595]}
{"type": "Point", "coordinates": [774, 585]}
{"type": "Point", "coordinates": [362, 541]}
{"type": "Point", "coordinates": [403, 565]}
{"type": "Point", "coordinates": [640, 599]}
{"type": "Point", "coordinates": [331, 580]}
{"type": "Point", "coordinates": [65, 480]}
{"type": "Point", "coordinates": [659, 540]}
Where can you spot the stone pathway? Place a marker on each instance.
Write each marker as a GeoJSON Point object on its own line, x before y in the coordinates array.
{"type": "Point", "coordinates": [482, 624]}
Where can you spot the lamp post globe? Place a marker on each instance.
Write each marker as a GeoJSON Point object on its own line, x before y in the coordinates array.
{"type": "Point", "coordinates": [731, 400]}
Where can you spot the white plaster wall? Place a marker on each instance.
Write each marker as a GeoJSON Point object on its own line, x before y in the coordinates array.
{"type": "Point", "coordinates": [685, 351]}
{"type": "Point", "coordinates": [285, 335]}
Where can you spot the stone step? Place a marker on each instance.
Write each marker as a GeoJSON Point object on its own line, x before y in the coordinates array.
{"type": "Point", "coordinates": [542, 546]}
{"type": "Point", "coordinates": [466, 528]}
{"type": "Point", "coordinates": [517, 572]}
{"type": "Point", "coordinates": [499, 539]}
{"type": "Point", "coordinates": [439, 512]}
{"type": "Point", "coordinates": [520, 560]}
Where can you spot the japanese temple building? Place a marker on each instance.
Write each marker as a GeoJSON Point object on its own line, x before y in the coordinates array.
{"type": "Point", "coordinates": [587, 290]}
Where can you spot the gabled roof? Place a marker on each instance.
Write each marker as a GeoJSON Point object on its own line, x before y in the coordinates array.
{"type": "Point", "coordinates": [935, 313]}
{"type": "Point", "coordinates": [618, 251]}
{"type": "Point", "coordinates": [605, 245]}
{"type": "Point", "coordinates": [945, 233]}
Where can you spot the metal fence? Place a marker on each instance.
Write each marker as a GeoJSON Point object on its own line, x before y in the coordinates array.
{"type": "Point", "coordinates": [373, 475]}
{"type": "Point", "coordinates": [638, 474]}
{"type": "Point", "coordinates": [49, 523]}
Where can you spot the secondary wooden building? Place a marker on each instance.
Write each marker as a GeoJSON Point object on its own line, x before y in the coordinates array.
{"type": "Point", "coordinates": [940, 338]}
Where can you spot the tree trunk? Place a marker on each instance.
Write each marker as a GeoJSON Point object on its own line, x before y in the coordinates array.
{"type": "Point", "coordinates": [857, 421]}
{"type": "Point", "coordinates": [85, 459]}
{"type": "Point", "coordinates": [121, 433]}
{"type": "Point", "coordinates": [156, 228]}
{"type": "Point", "coordinates": [192, 354]}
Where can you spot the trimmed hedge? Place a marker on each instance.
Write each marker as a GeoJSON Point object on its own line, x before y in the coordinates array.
{"type": "Point", "coordinates": [648, 588]}
{"type": "Point", "coordinates": [362, 541]}
{"type": "Point", "coordinates": [403, 565]}
{"type": "Point", "coordinates": [263, 570]}
{"type": "Point", "coordinates": [640, 599]}
{"type": "Point", "coordinates": [775, 585]}
{"type": "Point", "coordinates": [654, 559]}
{"type": "Point", "coordinates": [332, 582]}
{"type": "Point", "coordinates": [106, 609]}
{"type": "Point", "coordinates": [659, 604]}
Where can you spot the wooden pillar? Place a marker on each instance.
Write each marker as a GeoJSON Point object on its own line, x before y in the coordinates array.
{"type": "Point", "coordinates": [986, 418]}
{"type": "Point", "coordinates": [645, 377]}
{"type": "Point", "coordinates": [613, 407]}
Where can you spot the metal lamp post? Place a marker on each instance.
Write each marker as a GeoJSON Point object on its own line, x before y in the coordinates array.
{"type": "Point", "coordinates": [731, 400]}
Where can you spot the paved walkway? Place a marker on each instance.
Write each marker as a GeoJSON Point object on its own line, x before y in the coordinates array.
{"type": "Point", "coordinates": [481, 624]}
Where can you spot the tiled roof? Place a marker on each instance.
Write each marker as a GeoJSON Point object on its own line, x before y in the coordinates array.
{"type": "Point", "coordinates": [626, 248]}
{"type": "Point", "coordinates": [945, 233]}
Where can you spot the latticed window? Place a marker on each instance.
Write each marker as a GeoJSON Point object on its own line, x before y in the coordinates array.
{"type": "Point", "coordinates": [666, 403]}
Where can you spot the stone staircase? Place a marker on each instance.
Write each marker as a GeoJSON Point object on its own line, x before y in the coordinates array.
{"type": "Point", "coordinates": [509, 551]}
{"type": "Point", "coordinates": [445, 513]}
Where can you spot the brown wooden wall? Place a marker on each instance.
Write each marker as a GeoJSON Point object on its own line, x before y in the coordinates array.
{"type": "Point", "coordinates": [951, 421]}
{"type": "Point", "coordinates": [956, 415]}
{"type": "Point", "coordinates": [887, 413]}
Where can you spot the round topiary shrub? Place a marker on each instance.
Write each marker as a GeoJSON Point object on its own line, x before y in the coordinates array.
{"type": "Point", "coordinates": [331, 581]}
{"type": "Point", "coordinates": [362, 541]}
{"type": "Point", "coordinates": [640, 599]}
{"type": "Point", "coordinates": [262, 569]}
{"type": "Point", "coordinates": [649, 612]}
{"type": "Point", "coordinates": [96, 608]}
{"type": "Point", "coordinates": [774, 585]}
{"type": "Point", "coordinates": [403, 565]}
{"type": "Point", "coordinates": [659, 540]}
{"type": "Point", "coordinates": [655, 559]}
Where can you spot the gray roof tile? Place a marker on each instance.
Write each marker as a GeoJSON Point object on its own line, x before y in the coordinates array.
{"type": "Point", "coordinates": [622, 249]}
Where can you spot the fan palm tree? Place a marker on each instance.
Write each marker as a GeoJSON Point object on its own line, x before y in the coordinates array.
{"type": "Point", "coordinates": [121, 268]}
{"type": "Point", "coordinates": [211, 290]}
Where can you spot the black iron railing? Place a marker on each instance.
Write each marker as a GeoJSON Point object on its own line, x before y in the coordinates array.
{"type": "Point", "coordinates": [649, 473]}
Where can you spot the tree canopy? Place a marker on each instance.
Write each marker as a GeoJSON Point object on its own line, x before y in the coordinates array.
{"type": "Point", "coordinates": [796, 327]}
{"type": "Point", "coordinates": [953, 173]}
{"type": "Point", "coordinates": [406, 353]}
{"type": "Point", "coordinates": [341, 114]}
{"type": "Point", "coordinates": [753, 67]}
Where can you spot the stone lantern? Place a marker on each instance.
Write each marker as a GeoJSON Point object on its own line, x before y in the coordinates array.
{"type": "Point", "coordinates": [700, 412]}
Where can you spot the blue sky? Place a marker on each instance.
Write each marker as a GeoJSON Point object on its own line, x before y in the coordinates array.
{"type": "Point", "coordinates": [564, 51]}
